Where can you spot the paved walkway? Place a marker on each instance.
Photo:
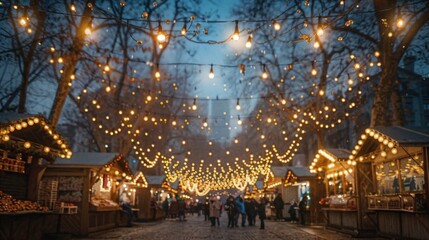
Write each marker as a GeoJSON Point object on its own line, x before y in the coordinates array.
{"type": "Point", "coordinates": [196, 228]}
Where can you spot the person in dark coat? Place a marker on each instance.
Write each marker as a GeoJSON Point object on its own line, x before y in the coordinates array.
{"type": "Point", "coordinates": [181, 209]}
{"type": "Point", "coordinates": [206, 210]}
{"type": "Point", "coordinates": [279, 205]}
{"type": "Point", "coordinates": [303, 209]}
{"type": "Point", "coordinates": [165, 207]}
{"type": "Point", "coordinates": [292, 212]}
{"type": "Point", "coordinates": [261, 212]}
{"type": "Point", "coordinates": [249, 204]}
{"type": "Point", "coordinates": [231, 209]}
{"type": "Point", "coordinates": [174, 208]}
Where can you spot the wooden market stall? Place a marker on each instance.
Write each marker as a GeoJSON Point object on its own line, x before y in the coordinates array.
{"type": "Point", "coordinates": [158, 189]}
{"type": "Point", "coordinates": [396, 160]}
{"type": "Point", "coordinates": [28, 143]}
{"type": "Point", "coordinates": [299, 181]}
{"type": "Point", "coordinates": [92, 182]}
{"type": "Point", "coordinates": [343, 180]}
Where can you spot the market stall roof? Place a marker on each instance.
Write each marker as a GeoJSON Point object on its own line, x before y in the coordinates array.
{"type": "Point", "coordinates": [279, 171]}
{"type": "Point", "coordinates": [392, 137]}
{"type": "Point", "coordinates": [324, 156]}
{"type": "Point", "coordinates": [155, 180]}
{"type": "Point", "coordinates": [140, 180]}
{"type": "Point", "coordinates": [339, 153]}
{"type": "Point", "coordinates": [259, 184]}
{"type": "Point", "coordinates": [300, 171]}
{"type": "Point", "coordinates": [296, 174]}
{"type": "Point", "coordinates": [32, 134]}
{"type": "Point", "coordinates": [87, 159]}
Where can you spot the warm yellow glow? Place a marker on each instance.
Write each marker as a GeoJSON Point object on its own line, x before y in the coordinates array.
{"type": "Point", "coordinates": [276, 25]}
{"type": "Point", "coordinates": [249, 42]}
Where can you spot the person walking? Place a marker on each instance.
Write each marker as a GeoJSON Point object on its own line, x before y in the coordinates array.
{"type": "Point", "coordinates": [153, 208]}
{"type": "Point", "coordinates": [165, 207]}
{"type": "Point", "coordinates": [231, 209]}
{"type": "Point", "coordinates": [292, 212]}
{"type": "Point", "coordinates": [279, 205]}
{"type": "Point", "coordinates": [303, 209]}
{"type": "Point", "coordinates": [206, 210]}
{"type": "Point", "coordinates": [214, 211]}
{"type": "Point", "coordinates": [124, 202]}
{"type": "Point", "coordinates": [261, 212]}
{"type": "Point", "coordinates": [250, 211]}
{"type": "Point", "coordinates": [174, 208]}
{"type": "Point", "coordinates": [181, 209]}
{"type": "Point", "coordinates": [242, 211]}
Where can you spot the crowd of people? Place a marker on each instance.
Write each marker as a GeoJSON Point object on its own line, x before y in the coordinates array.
{"type": "Point", "coordinates": [237, 208]}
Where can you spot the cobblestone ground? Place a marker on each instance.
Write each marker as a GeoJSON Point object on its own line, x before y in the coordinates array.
{"type": "Point", "coordinates": [196, 228]}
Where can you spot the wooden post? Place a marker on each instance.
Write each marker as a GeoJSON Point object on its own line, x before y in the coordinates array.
{"type": "Point", "coordinates": [35, 173]}
{"type": "Point", "coordinates": [364, 186]}
{"type": "Point", "coordinates": [84, 211]}
{"type": "Point", "coordinates": [426, 170]}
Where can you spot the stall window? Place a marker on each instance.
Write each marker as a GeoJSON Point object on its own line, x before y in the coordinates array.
{"type": "Point", "coordinates": [412, 174]}
{"type": "Point", "coordinates": [339, 188]}
{"type": "Point", "coordinates": [387, 178]}
{"type": "Point", "coordinates": [331, 186]}
{"type": "Point", "coordinates": [348, 183]}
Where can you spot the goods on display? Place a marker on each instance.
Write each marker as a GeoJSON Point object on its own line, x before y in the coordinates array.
{"type": "Point", "coordinates": [8, 204]}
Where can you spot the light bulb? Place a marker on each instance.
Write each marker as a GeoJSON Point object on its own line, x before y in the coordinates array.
{"type": "Point", "coordinates": [27, 144]}
{"type": "Point", "coordinates": [264, 72]}
{"type": "Point", "coordinates": [73, 7]}
{"type": "Point", "coordinates": [157, 74]}
{"type": "Point", "coordinates": [211, 73]}
{"type": "Point", "coordinates": [161, 37]}
{"type": "Point", "coordinates": [108, 89]}
{"type": "Point", "coordinates": [276, 25]}
{"type": "Point", "coordinates": [88, 31]}
{"type": "Point", "coordinates": [184, 30]}
{"type": "Point", "coordinates": [106, 68]}
{"type": "Point", "coordinates": [320, 31]}
{"type": "Point", "coordinates": [23, 22]}
{"type": "Point", "coordinates": [316, 44]}
{"type": "Point", "coordinates": [236, 34]}
{"type": "Point", "coordinates": [249, 42]}
{"type": "Point", "coordinates": [194, 106]}
{"type": "Point", "coordinates": [313, 72]}
{"type": "Point", "coordinates": [400, 22]}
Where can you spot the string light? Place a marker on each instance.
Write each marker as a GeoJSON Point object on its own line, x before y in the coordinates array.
{"type": "Point", "coordinates": [88, 29]}
{"type": "Point", "coordinates": [399, 20]}
{"type": "Point", "coordinates": [313, 69]}
{"type": "Point", "coordinates": [236, 34]}
{"type": "Point", "coordinates": [161, 36]}
{"type": "Point", "coordinates": [276, 25]}
{"type": "Point", "coordinates": [320, 30]}
{"type": "Point", "coordinates": [238, 107]}
{"type": "Point", "coordinates": [194, 106]}
{"type": "Point", "coordinates": [249, 42]}
{"type": "Point", "coordinates": [157, 73]}
{"type": "Point", "coordinates": [184, 29]}
{"type": "Point", "coordinates": [264, 72]}
{"type": "Point", "coordinates": [211, 73]}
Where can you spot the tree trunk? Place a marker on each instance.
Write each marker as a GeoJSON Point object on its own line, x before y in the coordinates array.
{"type": "Point", "coordinates": [71, 59]}
{"type": "Point", "coordinates": [397, 107]}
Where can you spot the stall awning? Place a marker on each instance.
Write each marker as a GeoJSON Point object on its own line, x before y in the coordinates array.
{"type": "Point", "coordinates": [327, 156]}
{"type": "Point", "coordinates": [96, 160]}
{"type": "Point", "coordinates": [297, 174]}
{"type": "Point", "coordinates": [392, 137]}
{"type": "Point", "coordinates": [155, 180]}
{"type": "Point", "coordinates": [140, 180]}
{"type": "Point", "coordinates": [32, 135]}
{"type": "Point", "coordinates": [279, 171]}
